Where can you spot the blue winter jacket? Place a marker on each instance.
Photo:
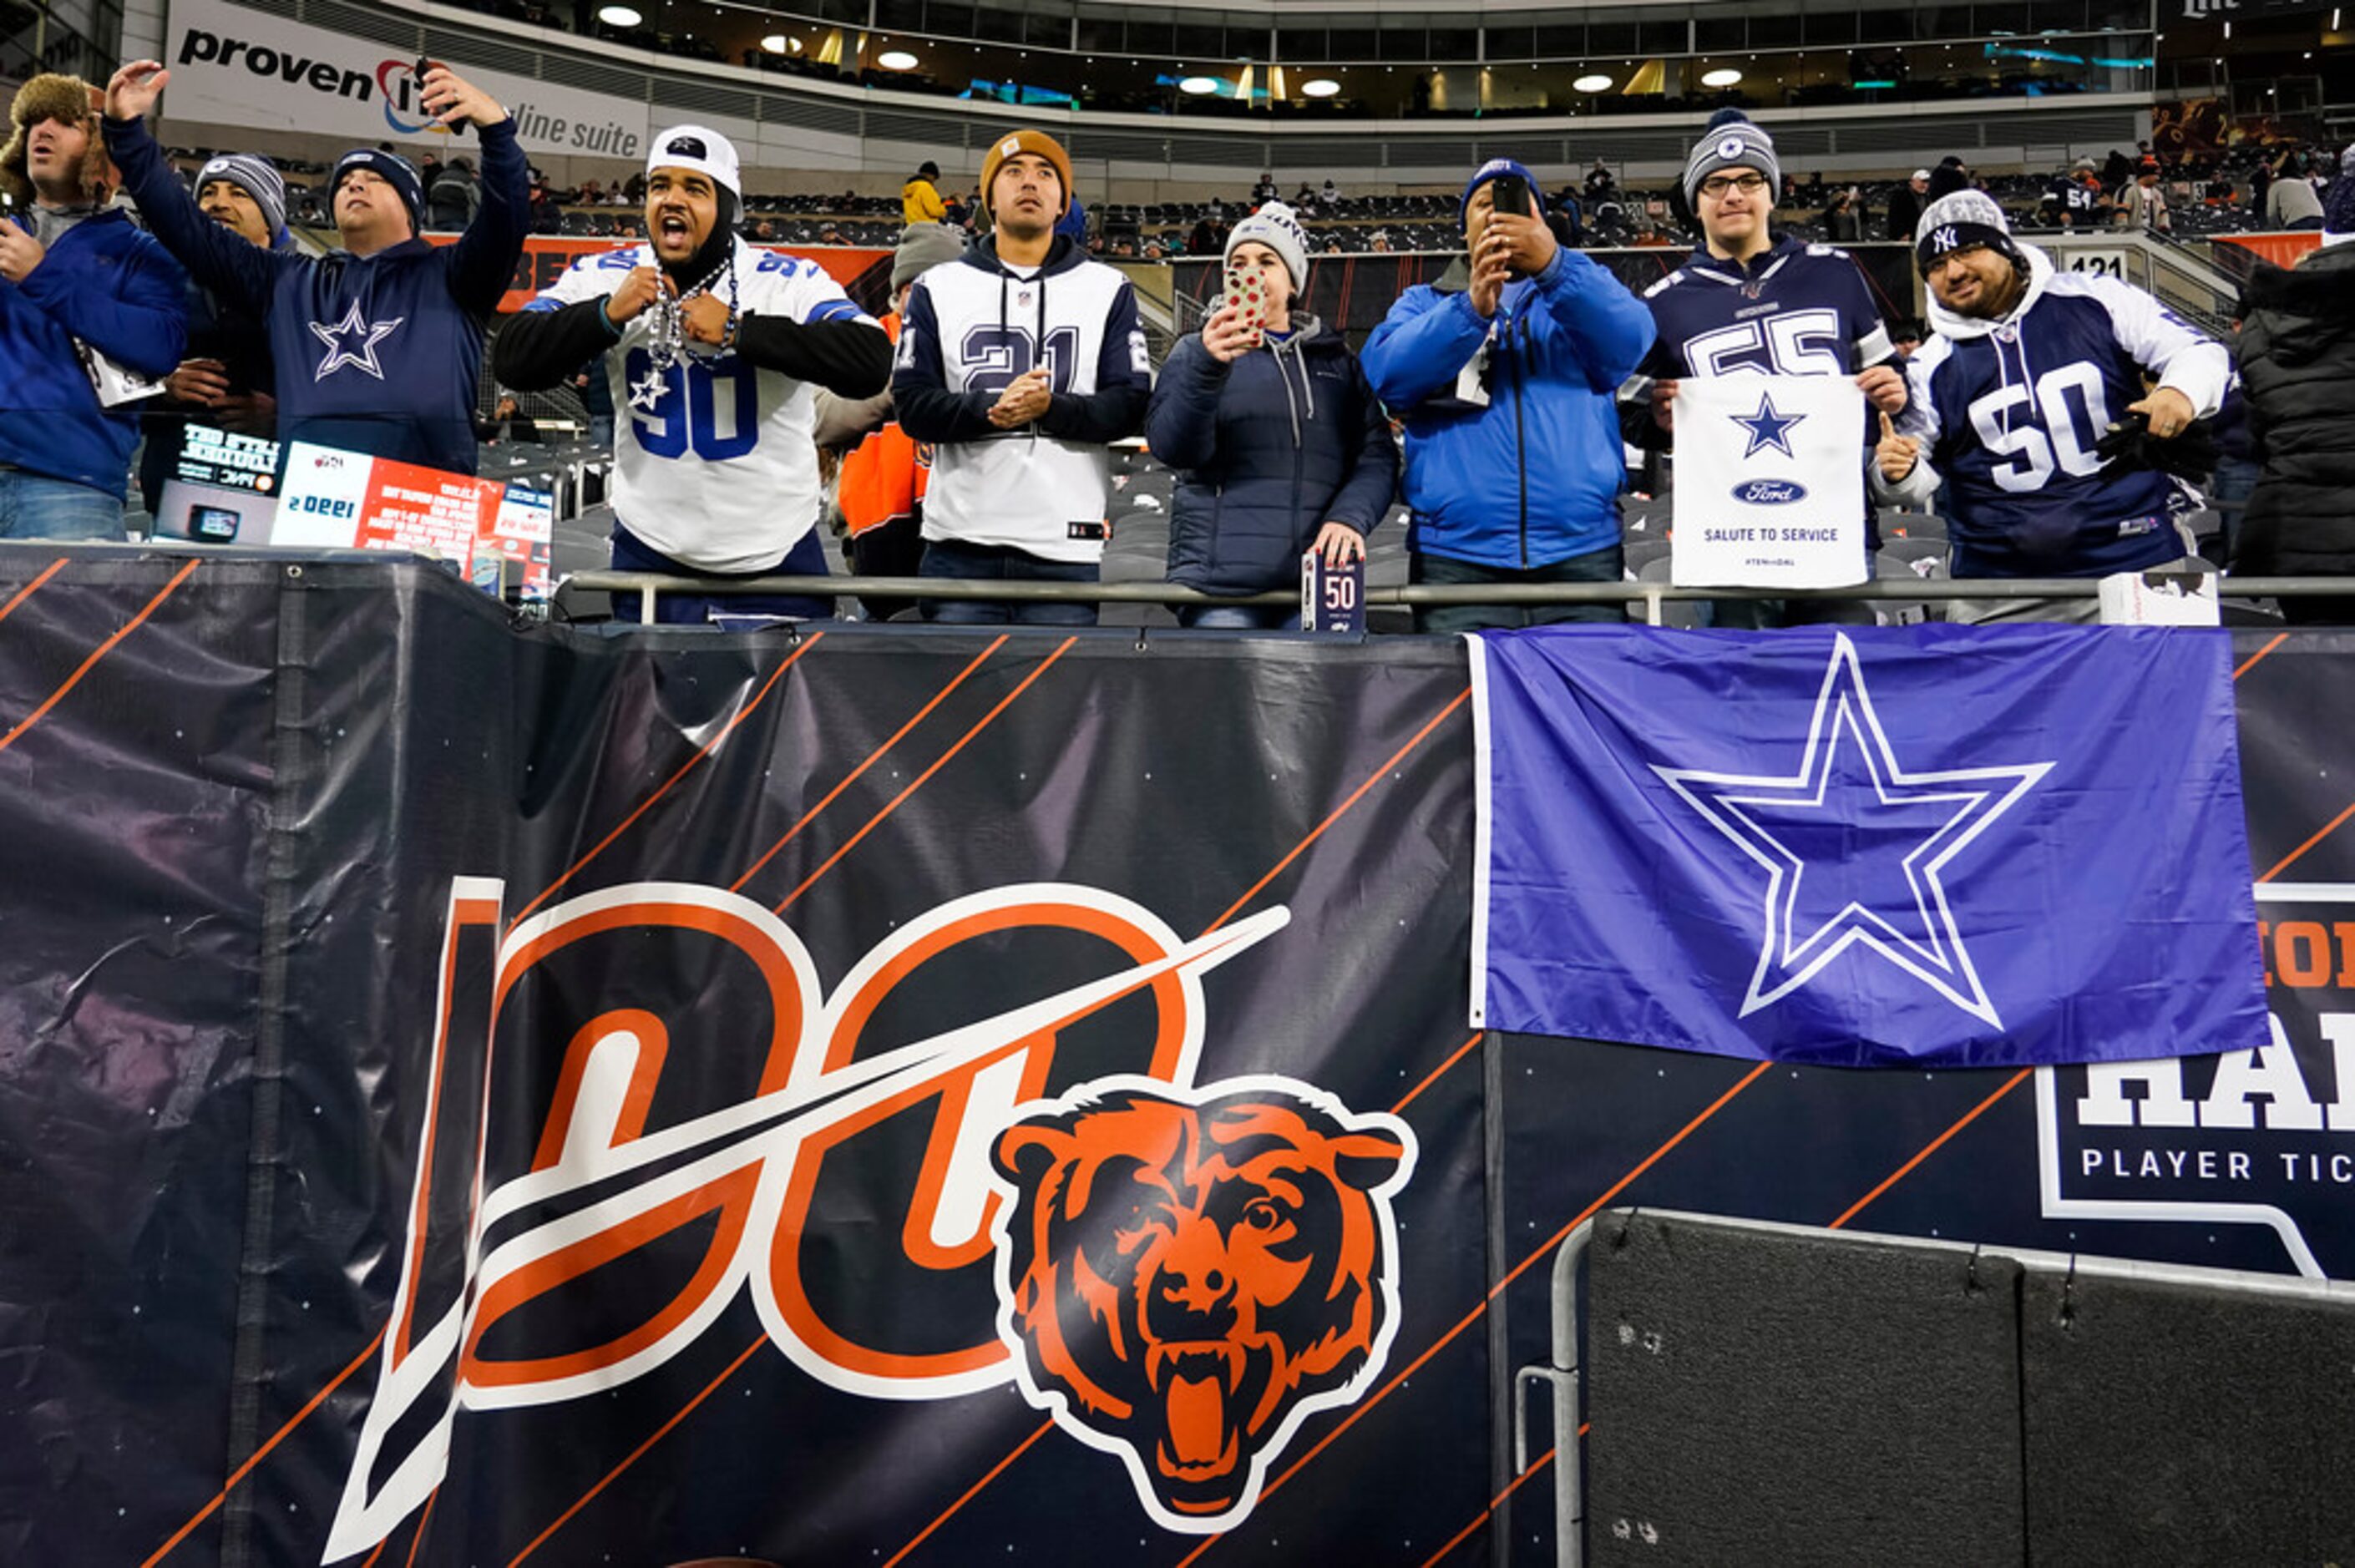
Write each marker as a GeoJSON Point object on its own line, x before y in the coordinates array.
{"type": "Point", "coordinates": [1532, 476]}
{"type": "Point", "coordinates": [1268, 450]}
{"type": "Point", "coordinates": [376, 354]}
{"type": "Point", "coordinates": [115, 289]}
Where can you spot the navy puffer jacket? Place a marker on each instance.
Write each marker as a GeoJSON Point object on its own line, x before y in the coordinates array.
{"type": "Point", "coordinates": [1267, 450]}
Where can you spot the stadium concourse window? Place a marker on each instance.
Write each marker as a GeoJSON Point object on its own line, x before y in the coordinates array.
{"type": "Point", "coordinates": [1627, 58]}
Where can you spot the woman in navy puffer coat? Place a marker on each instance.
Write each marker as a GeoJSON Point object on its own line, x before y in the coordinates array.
{"type": "Point", "coordinates": [1278, 444]}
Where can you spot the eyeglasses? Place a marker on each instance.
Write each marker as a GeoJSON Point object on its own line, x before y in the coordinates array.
{"type": "Point", "coordinates": [1716, 186]}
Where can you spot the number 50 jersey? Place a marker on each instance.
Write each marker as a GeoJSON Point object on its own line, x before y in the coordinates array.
{"type": "Point", "coordinates": [2009, 412]}
{"type": "Point", "coordinates": [714, 460]}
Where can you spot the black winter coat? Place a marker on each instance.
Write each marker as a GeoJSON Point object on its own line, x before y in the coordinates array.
{"type": "Point", "coordinates": [1267, 450]}
{"type": "Point", "coordinates": [2296, 354]}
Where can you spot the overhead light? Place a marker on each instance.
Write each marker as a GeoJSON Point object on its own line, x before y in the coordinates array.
{"type": "Point", "coordinates": [896, 59]}
{"type": "Point", "coordinates": [1199, 85]}
{"type": "Point", "coordinates": [1724, 76]}
{"type": "Point", "coordinates": [619, 17]}
{"type": "Point", "coordinates": [776, 43]}
{"type": "Point", "coordinates": [1323, 86]}
{"type": "Point", "coordinates": [1591, 84]}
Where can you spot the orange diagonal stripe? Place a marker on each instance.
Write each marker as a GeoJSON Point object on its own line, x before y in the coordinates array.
{"type": "Point", "coordinates": [2251, 662]}
{"type": "Point", "coordinates": [262, 1453]}
{"type": "Point", "coordinates": [705, 750]}
{"type": "Point", "coordinates": [101, 651]}
{"type": "Point", "coordinates": [423, 1519]}
{"type": "Point", "coordinates": [1363, 1405]}
{"type": "Point", "coordinates": [1337, 813]}
{"type": "Point", "coordinates": [877, 820]}
{"type": "Point", "coordinates": [1434, 1075]}
{"type": "Point", "coordinates": [1931, 1148]}
{"type": "Point", "coordinates": [970, 1493]}
{"type": "Point", "coordinates": [872, 758]}
{"type": "Point", "coordinates": [640, 1451]}
{"type": "Point", "coordinates": [22, 594]}
{"type": "Point", "coordinates": [1539, 1463]}
{"type": "Point", "coordinates": [2323, 832]}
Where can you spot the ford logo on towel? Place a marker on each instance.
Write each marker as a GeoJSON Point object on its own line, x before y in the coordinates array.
{"type": "Point", "coordinates": [1769, 492]}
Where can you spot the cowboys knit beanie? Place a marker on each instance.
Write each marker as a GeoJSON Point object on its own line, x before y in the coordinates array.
{"type": "Point", "coordinates": [1481, 175]}
{"type": "Point", "coordinates": [923, 247]}
{"type": "Point", "coordinates": [1959, 220]}
{"type": "Point", "coordinates": [2339, 203]}
{"type": "Point", "coordinates": [1034, 142]}
{"type": "Point", "coordinates": [391, 167]}
{"type": "Point", "coordinates": [1274, 227]}
{"type": "Point", "coordinates": [1731, 141]}
{"type": "Point", "coordinates": [257, 177]}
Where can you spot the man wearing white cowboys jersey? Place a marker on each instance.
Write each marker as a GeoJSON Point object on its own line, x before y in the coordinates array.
{"type": "Point", "coordinates": [1020, 363]}
{"type": "Point", "coordinates": [713, 350]}
{"type": "Point", "coordinates": [2026, 400]}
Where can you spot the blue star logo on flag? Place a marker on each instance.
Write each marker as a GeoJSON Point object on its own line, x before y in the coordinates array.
{"type": "Point", "coordinates": [1856, 847]}
{"type": "Point", "coordinates": [352, 341]}
{"type": "Point", "coordinates": [1767, 428]}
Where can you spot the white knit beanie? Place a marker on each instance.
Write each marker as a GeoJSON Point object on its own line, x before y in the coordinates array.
{"type": "Point", "coordinates": [1274, 227]}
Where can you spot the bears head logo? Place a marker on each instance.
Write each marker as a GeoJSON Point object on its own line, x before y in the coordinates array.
{"type": "Point", "coordinates": [1187, 1274]}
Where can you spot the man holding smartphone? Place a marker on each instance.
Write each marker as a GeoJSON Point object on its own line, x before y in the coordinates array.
{"type": "Point", "coordinates": [377, 348]}
{"type": "Point", "coordinates": [1504, 373]}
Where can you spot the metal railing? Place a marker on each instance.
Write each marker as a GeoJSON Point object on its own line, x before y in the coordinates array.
{"type": "Point", "coordinates": [1651, 595]}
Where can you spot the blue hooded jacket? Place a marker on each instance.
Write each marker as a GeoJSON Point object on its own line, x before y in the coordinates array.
{"type": "Point", "coordinates": [1532, 476]}
{"type": "Point", "coordinates": [116, 289]}
{"type": "Point", "coordinates": [1268, 450]}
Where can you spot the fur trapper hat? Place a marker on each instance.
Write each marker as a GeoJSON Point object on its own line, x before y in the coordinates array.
{"type": "Point", "coordinates": [70, 100]}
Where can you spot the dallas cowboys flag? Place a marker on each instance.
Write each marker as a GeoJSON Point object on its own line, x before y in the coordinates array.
{"type": "Point", "coordinates": [1770, 483]}
{"type": "Point", "coordinates": [1958, 845]}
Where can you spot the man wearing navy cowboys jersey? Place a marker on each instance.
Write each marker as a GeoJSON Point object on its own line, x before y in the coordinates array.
{"type": "Point", "coordinates": [375, 348]}
{"type": "Point", "coordinates": [2027, 372]}
{"type": "Point", "coordinates": [714, 351]}
{"type": "Point", "coordinates": [1751, 301]}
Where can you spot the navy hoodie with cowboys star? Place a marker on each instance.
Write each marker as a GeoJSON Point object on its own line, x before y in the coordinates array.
{"type": "Point", "coordinates": [376, 354]}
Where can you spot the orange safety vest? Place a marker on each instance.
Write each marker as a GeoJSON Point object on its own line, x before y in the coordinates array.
{"type": "Point", "coordinates": [885, 476]}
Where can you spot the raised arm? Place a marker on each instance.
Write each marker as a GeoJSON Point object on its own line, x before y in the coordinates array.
{"type": "Point", "coordinates": [240, 273]}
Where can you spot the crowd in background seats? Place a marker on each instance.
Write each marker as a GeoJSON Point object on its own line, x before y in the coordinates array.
{"type": "Point", "coordinates": [439, 418]}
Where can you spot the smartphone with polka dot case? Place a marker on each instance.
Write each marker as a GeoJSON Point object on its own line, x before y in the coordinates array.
{"type": "Point", "coordinates": [1248, 295]}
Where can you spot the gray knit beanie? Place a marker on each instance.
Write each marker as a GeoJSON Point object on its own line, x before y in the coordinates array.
{"type": "Point", "coordinates": [923, 247]}
{"type": "Point", "coordinates": [257, 177]}
{"type": "Point", "coordinates": [1731, 142]}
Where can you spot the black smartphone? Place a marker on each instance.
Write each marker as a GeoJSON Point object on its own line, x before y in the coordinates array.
{"type": "Point", "coordinates": [1511, 194]}
{"type": "Point", "coordinates": [218, 524]}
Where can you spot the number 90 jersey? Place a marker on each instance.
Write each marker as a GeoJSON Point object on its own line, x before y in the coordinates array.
{"type": "Point", "coordinates": [2009, 412]}
{"type": "Point", "coordinates": [714, 460]}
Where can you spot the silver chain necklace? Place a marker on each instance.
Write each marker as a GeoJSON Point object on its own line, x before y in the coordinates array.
{"type": "Point", "coordinates": [668, 344]}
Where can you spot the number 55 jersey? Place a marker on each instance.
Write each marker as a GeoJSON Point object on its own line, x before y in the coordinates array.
{"type": "Point", "coordinates": [2009, 412]}
{"type": "Point", "coordinates": [713, 456]}
{"type": "Point", "coordinates": [975, 326]}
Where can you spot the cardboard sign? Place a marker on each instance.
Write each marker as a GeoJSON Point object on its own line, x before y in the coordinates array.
{"type": "Point", "coordinates": [1770, 483]}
